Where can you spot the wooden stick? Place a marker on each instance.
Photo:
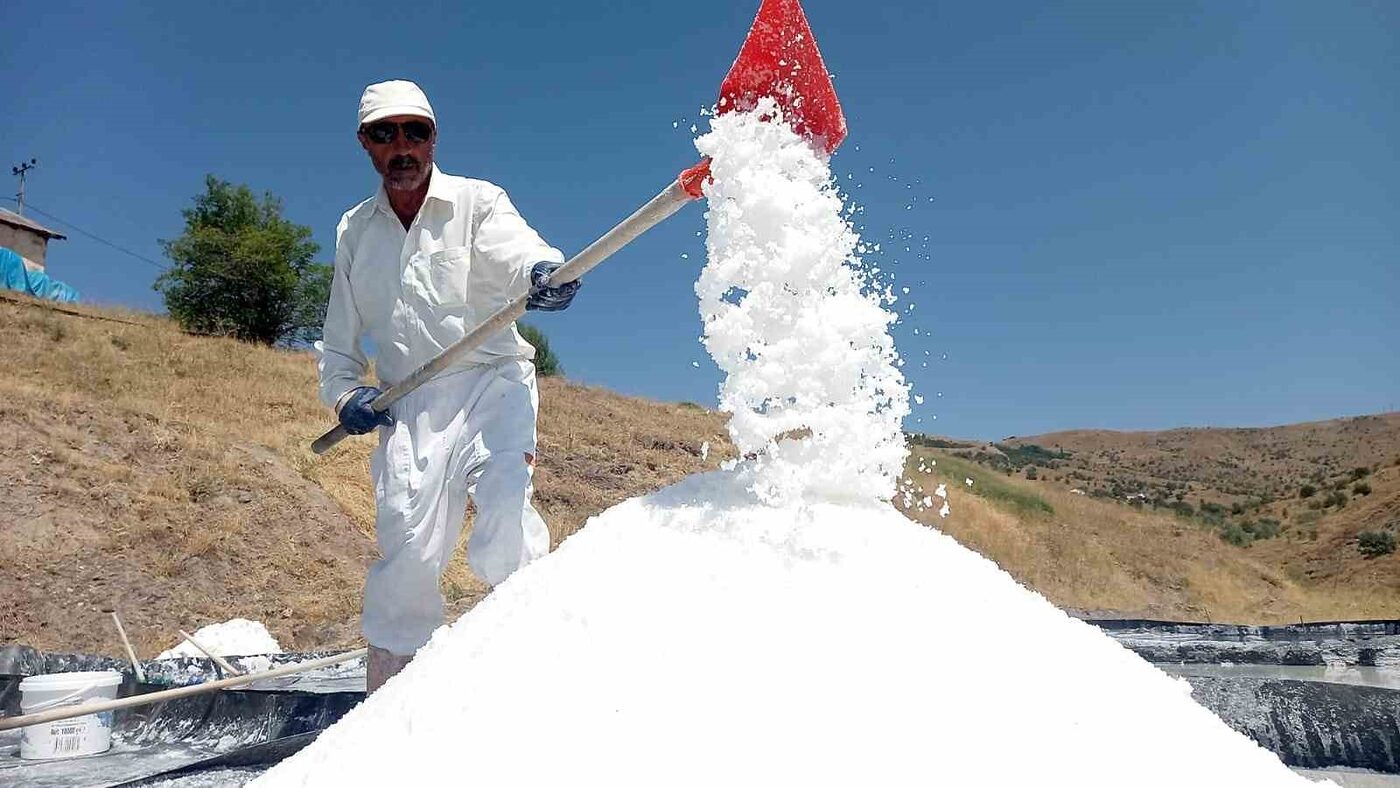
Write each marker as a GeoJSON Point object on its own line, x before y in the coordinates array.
{"type": "Point", "coordinates": [130, 652]}
{"type": "Point", "coordinates": [222, 662]}
{"type": "Point", "coordinates": [38, 718]}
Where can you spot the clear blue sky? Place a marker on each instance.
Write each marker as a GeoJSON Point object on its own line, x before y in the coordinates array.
{"type": "Point", "coordinates": [1143, 215]}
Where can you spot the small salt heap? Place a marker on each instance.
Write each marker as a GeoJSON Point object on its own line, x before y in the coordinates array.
{"type": "Point", "coordinates": [233, 638]}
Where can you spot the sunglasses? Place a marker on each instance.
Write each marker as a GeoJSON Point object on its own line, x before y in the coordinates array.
{"type": "Point", "coordinates": [384, 132]}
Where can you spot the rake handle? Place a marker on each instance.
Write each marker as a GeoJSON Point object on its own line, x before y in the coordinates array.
{"type": "Point", "coordinates": [684, 189]}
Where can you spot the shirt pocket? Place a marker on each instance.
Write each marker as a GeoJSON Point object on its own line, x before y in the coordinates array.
{"type": "Point", "coordinates": [443, 276]}
{"type": "Point", "coordinates": [490, 289]}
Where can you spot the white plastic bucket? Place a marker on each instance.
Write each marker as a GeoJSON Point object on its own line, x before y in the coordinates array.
{"type": "Point", "coordinates": [85, 735]}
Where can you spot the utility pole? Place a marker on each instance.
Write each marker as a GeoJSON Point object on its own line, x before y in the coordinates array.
{"type": "Point", "coordinates": [21, 170]}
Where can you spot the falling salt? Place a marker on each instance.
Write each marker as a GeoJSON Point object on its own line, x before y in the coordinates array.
{"type": "Point", "coordinates": [806, 351]}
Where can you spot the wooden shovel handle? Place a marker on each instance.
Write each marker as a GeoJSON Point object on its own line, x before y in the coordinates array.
{"type": "Point", "coordinates": [681, 191]}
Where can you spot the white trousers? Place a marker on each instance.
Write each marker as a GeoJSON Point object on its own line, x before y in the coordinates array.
{"type": "Point", "coordinates": [464, 434]}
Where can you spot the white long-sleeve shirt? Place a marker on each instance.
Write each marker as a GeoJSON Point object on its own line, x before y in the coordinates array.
{"type": "Point", "coordinates": [415, 292]}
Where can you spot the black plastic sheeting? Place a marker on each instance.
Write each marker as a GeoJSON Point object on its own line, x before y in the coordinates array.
{"type": "Point", "coordinates": [20, 661]}
{"type": "Point", "coordinates": [1299, 631]}
{"type": "Point", "coordinates": [257, 725]}
{"type": "Point", "coordinates": [1309, 723]}
{"type": "Point", "coordinates": [227, 728]}
{"type": "Point", "coordinates": [1371, 644]}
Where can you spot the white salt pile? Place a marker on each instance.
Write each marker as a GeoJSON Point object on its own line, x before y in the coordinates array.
{"type": "Point", "coordinates": [778, 623]}
{"type": "Point", "coordinates": [234, 638]}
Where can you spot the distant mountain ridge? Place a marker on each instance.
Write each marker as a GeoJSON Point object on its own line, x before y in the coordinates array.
{"type": "Point", "coordinates": [1226, 465]}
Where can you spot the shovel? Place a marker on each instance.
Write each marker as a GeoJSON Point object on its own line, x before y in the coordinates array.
{"type": "Point", "coordinates": [779, 58]}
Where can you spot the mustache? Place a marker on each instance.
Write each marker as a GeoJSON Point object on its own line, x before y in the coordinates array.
{"type": "Point", "coordinates": [404, 163]}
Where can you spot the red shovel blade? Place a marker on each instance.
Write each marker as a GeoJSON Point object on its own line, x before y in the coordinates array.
{"type": "Point", "coordinates": [780, 59]}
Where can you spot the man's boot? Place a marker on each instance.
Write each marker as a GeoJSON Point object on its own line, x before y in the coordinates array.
{"type": "Point", "coordinates": [381, 666]}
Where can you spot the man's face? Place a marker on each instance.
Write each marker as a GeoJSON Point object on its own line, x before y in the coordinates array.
{"type": "Point", "coordinates": [406, 160]}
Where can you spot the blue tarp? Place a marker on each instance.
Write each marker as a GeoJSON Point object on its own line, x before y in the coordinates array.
{"type": "Point", "coordinates": [14, 276]}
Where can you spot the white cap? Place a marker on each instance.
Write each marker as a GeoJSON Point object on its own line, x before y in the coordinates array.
{"type": "Point", "coordinates": [395, 97]}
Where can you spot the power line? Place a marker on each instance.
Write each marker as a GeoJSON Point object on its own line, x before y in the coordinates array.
{"type": "Point", "coordinates": [100, 240]}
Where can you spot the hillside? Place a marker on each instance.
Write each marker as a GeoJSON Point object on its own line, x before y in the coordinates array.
{"type": "Point", "coordinates": [169, 476]}
{"type": "Point", "coordinates": [1296, 499]}
{"type": "Point", "coordinates": [1110, 559]}
{"type": "Point", "coordinates": [1226, 466]}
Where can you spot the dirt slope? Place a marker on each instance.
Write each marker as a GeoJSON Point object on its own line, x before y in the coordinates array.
{"type": "Point", "coordinates": [170, 476]}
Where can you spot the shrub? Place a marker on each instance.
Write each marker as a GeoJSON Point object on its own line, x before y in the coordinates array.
{"type": "Point", "coordinates": [1361, 488]}
{"type": "Point", "coordinates": [1359, 473]}
{"type": "Point", "coordinates": [1212, 512]}
{"type": "Point", "coordinates": [1374, 544]}
{"type": "Point", "coordinates": [920, 439]}
{"type": "Point", "coordinates": [546, 363]}
{"type": "Point", "coordinates": [1236, 535]}
{"type": "Point", "coordinates": [1307, 491]}
{"type": "Point", "coordinates": [1031, 473]}
{"type": "Point", "coordinates": [1030, 454]}
{"type": "Point", "coordinates": [1183, 508]}
{"type": "Point", "coordinates": [1335, 498]}
{"type": "Point", "coordinates": [1265, 528]}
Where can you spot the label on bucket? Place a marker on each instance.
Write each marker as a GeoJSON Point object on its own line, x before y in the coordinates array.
{"type": "Point", "coordinates": [86, 735]}
{"type": "Point", "coordinates": [68, 737]}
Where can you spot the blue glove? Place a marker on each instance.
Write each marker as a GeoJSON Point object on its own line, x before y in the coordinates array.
{"type": "Point", "coordinates": [357, 417]}
{"type": "Point", "coordinates": [549, 299]}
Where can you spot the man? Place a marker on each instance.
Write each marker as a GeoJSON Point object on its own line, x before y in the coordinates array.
{"type": "Point", "coordinates": [416, 267]}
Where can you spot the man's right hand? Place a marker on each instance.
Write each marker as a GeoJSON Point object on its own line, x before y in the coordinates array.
{"type": "Point", "coordinates": [357, 417]}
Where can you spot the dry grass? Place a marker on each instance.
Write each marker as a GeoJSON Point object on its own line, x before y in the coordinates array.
{"type": "Point", "coordinates": [1105, 558]}
{"type": "Point", "coordinates": [172, 475]}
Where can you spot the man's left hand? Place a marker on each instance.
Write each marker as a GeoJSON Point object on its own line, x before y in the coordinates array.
{"type": "Point", "coordinates": [544, 297]}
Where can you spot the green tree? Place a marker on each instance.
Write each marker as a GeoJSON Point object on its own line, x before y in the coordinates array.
{"type": "Point", "coordinates": [242, 270]}
{"type": "Point", "coordinates": [546, 363]}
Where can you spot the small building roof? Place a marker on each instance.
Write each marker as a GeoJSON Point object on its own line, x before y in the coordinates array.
{"type": "Point", "coordinates": [15, 220]}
